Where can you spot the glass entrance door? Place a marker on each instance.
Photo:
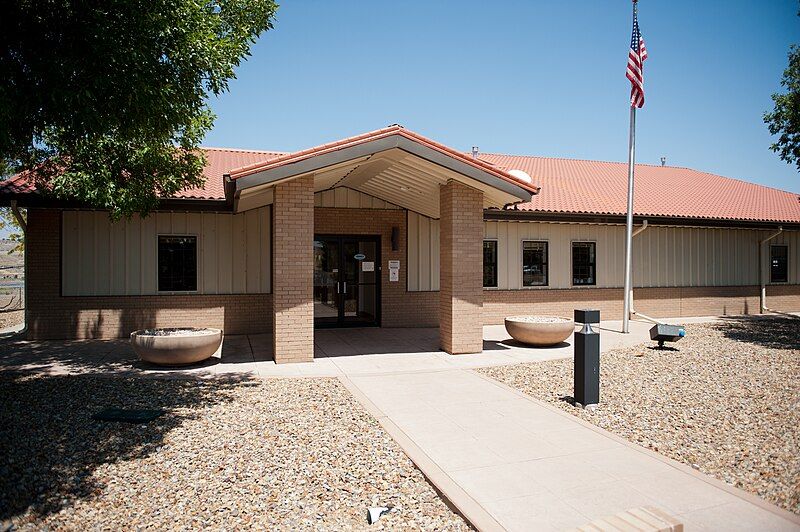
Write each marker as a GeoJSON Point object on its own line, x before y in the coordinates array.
{"type": "Point", "coordinates": [346, 281]}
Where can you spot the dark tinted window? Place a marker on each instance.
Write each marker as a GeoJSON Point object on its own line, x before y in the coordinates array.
{"type": "Point", "coordinates": [534, 263]}
{"type": "Point", "coordinates": [779, 264]}
{"type": "Point", "coordinates": [177, 263]}
{"type": "Point", "coordinates": [490, 263]}
{"type": "Point", "coordinates": [583, 263]}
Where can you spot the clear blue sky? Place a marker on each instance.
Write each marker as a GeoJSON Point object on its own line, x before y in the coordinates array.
{"type": "Point", "coordinates": [528, 77]}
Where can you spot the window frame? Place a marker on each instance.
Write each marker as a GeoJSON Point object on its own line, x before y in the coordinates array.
{"type": "Point", "coordinates": [196, 259]}
{"type": "Point", "coordinates": [572, 263]}
{"type": "Point", "coordinates": [786, 279]}
{"type": "Point", "coordinates": [546, 283]}
{"type": "Point", "coordinates": [497, 261]}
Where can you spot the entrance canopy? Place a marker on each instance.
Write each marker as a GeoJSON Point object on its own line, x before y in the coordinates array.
{"type": "Point", "coordinates": [393, 164]}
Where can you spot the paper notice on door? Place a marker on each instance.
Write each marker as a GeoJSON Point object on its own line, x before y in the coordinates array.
{"type": "Point", "coordinates": [367, 266]}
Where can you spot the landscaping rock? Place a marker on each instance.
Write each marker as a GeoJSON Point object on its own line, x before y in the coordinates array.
{"type": "Point", "coordinates": [286, 454]}
{"type": "Point", "coordinates": [724, 401]}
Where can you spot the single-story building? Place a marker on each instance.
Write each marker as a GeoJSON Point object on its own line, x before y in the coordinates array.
{"type": "Point", "coordinates": [392, 229]}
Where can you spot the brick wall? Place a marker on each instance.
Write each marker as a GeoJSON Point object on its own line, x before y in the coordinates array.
{"type": "Point", "coordinates": [654, 302]}
{"type": "Point", "coordinates": [51, 316]}
{"type": "Point", "coordinates": [461, 269]}
{"type": "Point", "coordinates": [293, 271]}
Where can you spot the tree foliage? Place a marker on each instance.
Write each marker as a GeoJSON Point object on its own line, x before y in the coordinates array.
{"type": "Point", "coordinates": [108, 101]}
{"type": "Point", "coordinates": [8, 220]}
{"type": "Point", "coordinates": [784, 120]}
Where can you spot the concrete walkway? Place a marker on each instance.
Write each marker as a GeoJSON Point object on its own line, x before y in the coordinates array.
{"type": "Point", "coordinates": [510, 462]}
{"type": "Point", "coordinates": [506, 460]}
{"type": "Point", "coordinates": [337, 352]}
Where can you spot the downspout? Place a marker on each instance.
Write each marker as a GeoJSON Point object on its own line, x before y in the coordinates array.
{"type": "Point", "coordinates": [23, 224]}
{"type": "Point", "coordinates": [637, 231]}
{"type": "Point", "coordinates": [762, 301]}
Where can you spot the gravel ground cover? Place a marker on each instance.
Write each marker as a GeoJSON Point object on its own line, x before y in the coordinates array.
{"type": "Point", "coordinates": [288, 454]}
{"type": "Point", "coordinates": [10, 300]}
{"type": "Point", "coordinates": [9, 319]}
{"type": "Point", "coordinates": [726, 401]}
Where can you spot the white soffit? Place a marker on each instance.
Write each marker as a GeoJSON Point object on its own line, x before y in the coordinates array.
{"type": "Point", "coordinates": [393, 175]}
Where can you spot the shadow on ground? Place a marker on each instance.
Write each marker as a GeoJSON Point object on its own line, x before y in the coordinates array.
{"type": "Point", "coordinates": [51, 446]}
{"type": "Point", "coordinates": [773, 332]}
{"type": "Point", "coordinates": [509, 343]}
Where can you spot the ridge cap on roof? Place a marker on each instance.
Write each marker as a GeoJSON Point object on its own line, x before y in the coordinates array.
{"type": "Point", "coordinates": [578, 159]}
{"type": "Point", "coordinates": [243, 150]}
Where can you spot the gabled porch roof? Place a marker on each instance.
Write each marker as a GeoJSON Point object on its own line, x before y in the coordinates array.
{"type": "Point", "coordinates": [393, 164]}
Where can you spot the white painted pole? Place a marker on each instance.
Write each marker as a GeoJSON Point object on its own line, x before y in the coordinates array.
{"type": "Point", "coordinates": [626, 304]}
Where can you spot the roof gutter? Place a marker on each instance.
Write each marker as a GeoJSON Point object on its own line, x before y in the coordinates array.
{"type": "Point", "coordinates": [230, 188]}
{"type": "Point", "coordinates": [576, 217]}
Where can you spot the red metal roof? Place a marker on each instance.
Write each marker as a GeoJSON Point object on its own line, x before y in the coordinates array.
{"type": "Point", "coordinates": [221, 161]}
{"type": "Point", "coordinates": [567, 186]}
{"type": "Point", "coordinates": [594, 187]}
{"type": "Point", "coordinates": [18, 184]}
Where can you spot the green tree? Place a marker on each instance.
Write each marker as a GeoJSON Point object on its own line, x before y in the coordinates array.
{"type": "Point", "coordinates": [784, 120]}
{"type": "Point", "coordinates": [108, 101]}
{"type": "Point", "coordinates": [7, 219]}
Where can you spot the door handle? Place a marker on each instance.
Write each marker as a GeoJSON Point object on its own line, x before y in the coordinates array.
{"type": "Point", "coordinates": [337, 288]}
{"type": "Point", "coordinates": [345, 287]}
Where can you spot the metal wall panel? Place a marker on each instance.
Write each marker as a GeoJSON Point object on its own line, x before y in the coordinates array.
{"type": "Point", "coordinates": [663, 256]}
{"type": "Point", "coordinates": [102, 258]}
{"type": "Point", "coordinates": [423, 253]}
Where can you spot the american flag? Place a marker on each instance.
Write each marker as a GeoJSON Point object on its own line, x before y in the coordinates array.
{"type": "Point", "coordinates": [636, 58]}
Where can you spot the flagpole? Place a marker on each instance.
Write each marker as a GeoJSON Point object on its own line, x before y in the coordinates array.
{"type": "Point", "coordinates": [626, 304]}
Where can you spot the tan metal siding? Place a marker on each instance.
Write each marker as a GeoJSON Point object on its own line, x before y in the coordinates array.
{"type": "Point", "coordinates": [104, 258]}
{"type": "Point", "coordinates": [423, 253]}
{"type": "Point", "coordinates": [663, 256]}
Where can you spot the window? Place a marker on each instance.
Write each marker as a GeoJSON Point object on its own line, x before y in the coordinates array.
{"type": "Point", "coordinates": [490, 263]}
{"type": "Point", "coordinates": [534, 263]}
{"type": "Point", "coordinates": [779, 263]}
{"type": "Point", "coordinates": [583, 263]}
{"type": "Point", "coordinates": [177, 263]}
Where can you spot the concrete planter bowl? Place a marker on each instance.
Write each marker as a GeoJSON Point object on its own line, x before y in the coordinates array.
{"type": "Point", "coordinates": [539, 330]}
{"type": "Point", "coordinates": [175, 346]}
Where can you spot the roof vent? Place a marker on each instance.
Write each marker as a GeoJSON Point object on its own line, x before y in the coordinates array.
{"type": "Point", "coordinates": [474, 152]}
{"type": "Point", "coordinates": [663, 161]}
{"type": "Point", "coordinates": [521, 175]}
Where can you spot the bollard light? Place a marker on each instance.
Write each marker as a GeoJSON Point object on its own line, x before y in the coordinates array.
{"type": "Point", "coordinates": [587, 359]}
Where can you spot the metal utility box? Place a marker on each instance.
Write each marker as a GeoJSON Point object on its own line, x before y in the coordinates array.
{"type": "Point", "coordinates": [587, 359]}
{"type": "Point", "coordinates": [587, 316]}
{"type": "Point", "coordinates": [666, 333]}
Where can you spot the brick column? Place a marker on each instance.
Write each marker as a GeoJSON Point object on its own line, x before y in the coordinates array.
{"type": "Point", "coordinates": [461, 269]}
{"type": "Point", "coordinates": [43, 276]}
{"type": "Point", "coordinates": [293, 271]}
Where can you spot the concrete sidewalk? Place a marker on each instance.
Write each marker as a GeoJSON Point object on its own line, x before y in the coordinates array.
{"type": "Point", "coordinates": [336, 352]}
{"type": "Point", "coordinates": [510, 462]}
